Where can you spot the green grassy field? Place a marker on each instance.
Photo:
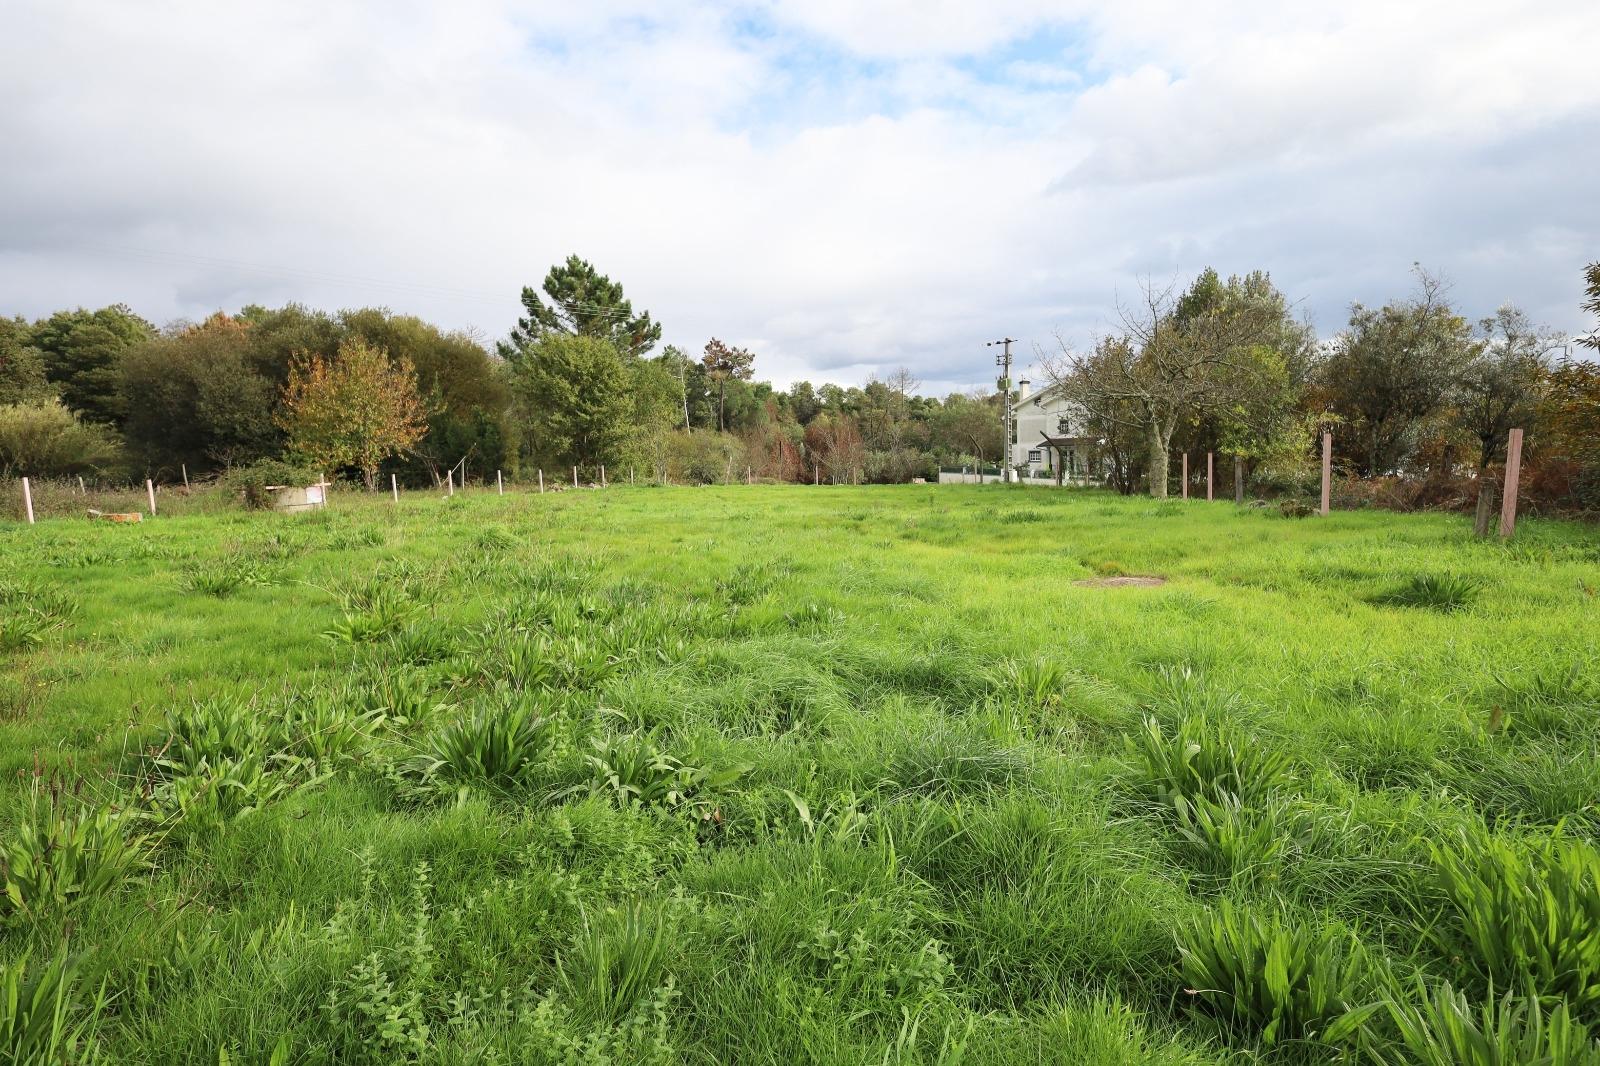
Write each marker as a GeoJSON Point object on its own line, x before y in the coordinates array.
{"type": "Point", "coordinates": [782, 775]}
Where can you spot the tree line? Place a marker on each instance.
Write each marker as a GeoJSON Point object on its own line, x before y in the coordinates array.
{"type": "Point", "coordinates": [1413, 388]}
{"type": "Point", "coordinates": [1416, 390]}
{"type": "Point", "coordinates": [576, 383]}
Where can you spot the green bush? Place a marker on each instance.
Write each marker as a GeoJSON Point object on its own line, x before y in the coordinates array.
{"type": "Point", "coordinates": [1272, 979]}
{"type": "Point", "coordinates": [250, 483]}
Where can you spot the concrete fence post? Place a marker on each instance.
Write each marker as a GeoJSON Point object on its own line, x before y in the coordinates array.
{"type": "Point", "coordinates": [394, 487]}
{"type": "Point", "coordinates": [27, 499]}
{"type": "Point", "coordinates": [1185, 477]}
{"type": "Point", "coordinates": [150, 491]}
{"type": "Point", "coordinates": [500, 482]}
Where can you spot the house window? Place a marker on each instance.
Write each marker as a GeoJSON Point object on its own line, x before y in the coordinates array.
{"type": "Point", "coordinates": [1035, 456]}
{"type": "Point", "coordinates": [1061, 426]}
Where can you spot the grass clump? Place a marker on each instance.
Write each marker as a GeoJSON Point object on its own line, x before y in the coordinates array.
{"type": "Point", "coordinates": [499, 747]}
{"type": "Point", "coordinates": [1205, 760]}
{"type": "Point", "coordinates": [42, 1019]}
{"type": "Point", "coordinates": [1443, 1027]}
{"type": "Point", "coordinates": [1523, 915]}
{"type": "Point", "coordinates": [635, 770]}
{"type": "Point", "coordinates": [1274, 979]}
{"type": "Point", "coordinates": [1445, 593]}
{"type": "Point", "coordinates": [618, 960]}
{"type": "Point", "coordinates": [65, 851]}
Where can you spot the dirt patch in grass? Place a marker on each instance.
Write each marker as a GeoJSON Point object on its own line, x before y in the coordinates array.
{"type": "Point", "coordinates": [1121, 581]}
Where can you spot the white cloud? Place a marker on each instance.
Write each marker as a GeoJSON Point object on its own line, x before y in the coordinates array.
{"type": "Point", "coordinates": [853, 185]}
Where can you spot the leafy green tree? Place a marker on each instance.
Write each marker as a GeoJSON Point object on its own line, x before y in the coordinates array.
{"type": "Point", "coordinates": [722, 363]}
{"type": "Point", "coordinates": [574, 392]}
{"type": "Point", "coordinates": [969, 425]}
{"type": "Point", "coordinates": [465, 388]}
{"type": "Point", "coordinates": [82, 352]}
{"type": "Point", "coordinates": [197, 396]}
{"type": "Point", "coordinates": [655, 394]}
{"type": "Point", "coordinates": [356, 409]}
{"type": "Point", "coordinates": [1393, 369]}
{"type": "Point", "coordinates": [803, 402]}
{"type": "Point", "coordinates": [22, 377]}
{"type": "Point", "coordinates": [582, 303]}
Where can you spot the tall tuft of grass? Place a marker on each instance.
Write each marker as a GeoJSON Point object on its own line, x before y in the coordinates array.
{"type": "Point", "coordinates": [497, 747]}
{"type": "Point", "coordinates": [1434, 592]}
{"type": "Point", "coordinates": [41, 1020]}
{"type": "Point", "coordinates": [1200, 760]}
{"type": "Point", "coordinates": [65, 851]}
{"type": "Point", "coordinates": [1442, 1028]}
{"type": "Point", "coordinates": [617, 960]}
{"type": "Point", "coordinates": [1037, 682]}
{"type": "Point", "coordinates": [1227, 841]}
{"type": "Point", "coordinates": [1524, 916]}
{"type": "Point", "coordinates": [1272, 979]}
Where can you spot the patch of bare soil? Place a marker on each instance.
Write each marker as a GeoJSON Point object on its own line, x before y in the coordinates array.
{"type": "Point", "coordinates": [1120, 582]}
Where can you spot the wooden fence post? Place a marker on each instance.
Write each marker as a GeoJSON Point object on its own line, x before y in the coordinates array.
{"type": "Point", "coordinates": [1508, 500]}
{"type": "Point", "coordinates": [1238, 480]}
{"type": "Point", "coordinates": [1327, 471]}
{"type": "Point", "coordinates": [1211, 469]}
{"type": "Point", "coordinates": [394, 487]}
{"type": "Point", "coordinates": [541, 481]}
{"type": "Point", "coordinates": [185, 468]}
{"type": "Point", "coordinates": [602, 475]}
{"type": "Point", "coordinates": [1186, 475]}
{"type": "Point", "coordinates": [630, 474]}
{"type": "Point", "coordinates": [27, 500]}
{"type": "Point", "coordinates": [449, 482]}
{"type": "Point", "coordinates": [150, 490]}
{"type": "Point", "coordinates": [83, 490]}
{"type": "Point", "coordinates": [1485, 512]}
{"type": "Point", "coordinates": [500, 482]}
{"type": "Point", "coordinates": [574, 477]}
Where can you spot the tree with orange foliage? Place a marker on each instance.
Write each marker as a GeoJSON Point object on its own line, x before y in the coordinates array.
{"type": "Point", "coordinates": [356, 409]}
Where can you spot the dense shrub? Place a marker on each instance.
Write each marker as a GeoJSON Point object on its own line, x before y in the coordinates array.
{"type": "Point", "coordinates": [251, 483]}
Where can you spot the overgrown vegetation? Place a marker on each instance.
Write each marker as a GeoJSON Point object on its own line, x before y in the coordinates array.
{"type": "Point", "coordinates": [776, 775]}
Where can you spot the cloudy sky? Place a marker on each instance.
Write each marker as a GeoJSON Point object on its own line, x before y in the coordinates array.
{"type": "Point", "coordinates": [843, 186]}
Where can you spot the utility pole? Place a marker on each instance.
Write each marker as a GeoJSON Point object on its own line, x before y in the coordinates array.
{"type": "Point", "coordinates": [1003, 361]}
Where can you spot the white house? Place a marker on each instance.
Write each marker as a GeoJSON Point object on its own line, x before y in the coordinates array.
{"type": "Point", "coordinates": [1052, 439]}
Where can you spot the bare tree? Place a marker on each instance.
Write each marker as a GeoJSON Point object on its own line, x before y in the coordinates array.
{"type": "Point", "coordinates": [1176, 357]}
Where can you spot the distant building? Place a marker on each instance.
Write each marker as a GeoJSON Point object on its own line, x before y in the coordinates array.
{"type": "Point", "coordinates": [1052, 439]}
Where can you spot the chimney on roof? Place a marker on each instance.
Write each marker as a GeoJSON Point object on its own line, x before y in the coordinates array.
{"type": "Point", "coordinates": [1022, 389]}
